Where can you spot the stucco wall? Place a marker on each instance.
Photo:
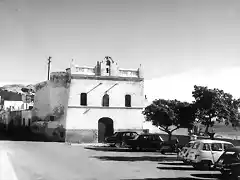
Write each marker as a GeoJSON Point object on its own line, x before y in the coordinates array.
{"type": "Point", "coordinates": [116, 94]}
{"type": "Point", "coordinates": [122, 118]}
{"type": "Point", "coordinates": [83, 127]}
{"type": "Point", "coordinates": [82, 121]}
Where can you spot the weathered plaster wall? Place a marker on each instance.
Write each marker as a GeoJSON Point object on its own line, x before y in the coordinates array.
{"type": "Point", "coordinates": [42, 104]}
{"type": "Point", "coordinates": [116, 94]}
{"type": "Point", "coordinates": [51, 100]}
{"type": "Point", "coordinates": [59, 93]}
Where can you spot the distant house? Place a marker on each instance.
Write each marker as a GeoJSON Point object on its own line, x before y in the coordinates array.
{"type": "Point", "coordinates": [16, 105]}
{"type": "Point", "coordinates": [13, 98]}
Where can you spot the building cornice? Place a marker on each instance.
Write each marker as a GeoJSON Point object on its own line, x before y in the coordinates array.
{"type": "Point", "coordinates": [103, 107]}
{"type": "Point", "coordinates": [111, 78]}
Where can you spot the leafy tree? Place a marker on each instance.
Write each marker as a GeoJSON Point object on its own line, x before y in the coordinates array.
{"type": "Point", "coordinates": [215, 104]}
{"type": "Point", "coordinates": [170, 115]}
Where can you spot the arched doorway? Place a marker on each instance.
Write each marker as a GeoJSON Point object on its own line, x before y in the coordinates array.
{"type": "Point", "coordinates": [105, 128]}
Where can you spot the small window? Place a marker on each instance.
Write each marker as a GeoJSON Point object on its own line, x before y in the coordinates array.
{"type": "Point", "coordinates": [108, 63]}
{"type": "Point", "coordinates": [83, 100]}
{"type": "Point", "coordinates": [206, 147]}
{"type": "Point", "coordinates": [105, 100]}
{"type": "Point", "coordinates": [107, 70]}
{"type": "Point", "coordinates": [51, 118]}
{"type": "Point", "coordinates": [216, 147]}
{"type": "Point", "coordinates": [227, 146]}
{"type": "Point", "coordinates": [127, 100]}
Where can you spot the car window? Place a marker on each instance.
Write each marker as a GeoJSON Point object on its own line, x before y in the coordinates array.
{"type": "Point", "coordinates": [127, 134]}
{"type": "Point", "coordinates": [227, 146]}
{"type": "Point", "coordinates": [151, 138]}
{"type": "Point", "coordinates": [216, 147]}
{"type": "Point", "coordinates": [196, 145]}
{"type": "Point", "coordinates": [133, 135]}
{"type": "Point", "coordinates": [143, 137]}
{"type": "Point", "coordinates": [229, 152]}
{"type": "Point", "coordinates": [188, 145]}
{"type": "Point", "coordinates": [115, 134]}
{"type": "Point", "coordinates": [137, 137]}
{"type": "Point", "coordinates": [160, 138]}
{"type": "Point", "coordinates": [156, 138]}
{"type": "Point", "coordinates": [206, 147]}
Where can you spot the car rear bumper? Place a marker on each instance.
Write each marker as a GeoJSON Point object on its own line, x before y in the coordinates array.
{"type": "Point", "coordinates": [221, 168]}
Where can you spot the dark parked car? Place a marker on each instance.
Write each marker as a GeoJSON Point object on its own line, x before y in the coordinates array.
{"type": "Point", "coordinates": [171, 146]}
{"type": "Point", "coordinates": [118, 138]}
{"type": "Point", "coordinates": [229, 162]}
{"type": "Point", "coordinates": [145, 141]}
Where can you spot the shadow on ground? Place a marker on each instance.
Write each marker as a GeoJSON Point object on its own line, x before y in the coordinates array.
{"type": "Point", "coordinates": [178, 178]}
{"type": "Point", "coordinates": [138, 158]}
{"type": "Point", "coordinates": [107, 148]}
{"type": "Point", "coordinates": [22, 135]}
{"type": "Point", "coordinates": [173, 163]}
{"type": "Point", "coordinates": [210, 176]}
{"type": "Point", "coordinates": [181, 168]}
{"type": "Point", "coordinates": [213, 176]}
{"type": "Point", "coordinates": [115, 149]}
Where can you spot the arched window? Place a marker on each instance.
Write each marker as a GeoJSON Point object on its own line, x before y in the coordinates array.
{"type": "Point", "coordinates": [127, 100]}
{"type": "Point", "coordinates": [83, 99]}
{"type": "Point", "coordinates": [105, 100]}
{"type": "Point", "coordinates": [108, 63]}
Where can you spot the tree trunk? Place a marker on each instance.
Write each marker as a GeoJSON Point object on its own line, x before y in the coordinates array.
{"type": "Point", "coordinates": [169, 136]}
{"type": "Point", "coordinates": [206, 130]}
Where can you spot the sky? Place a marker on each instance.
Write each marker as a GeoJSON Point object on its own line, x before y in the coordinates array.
{"type": "Point", "coordinates": [178, 43]}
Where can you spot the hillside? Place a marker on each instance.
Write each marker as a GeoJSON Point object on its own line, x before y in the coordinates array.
{"type": "Point", "coordinates": [17, 88]}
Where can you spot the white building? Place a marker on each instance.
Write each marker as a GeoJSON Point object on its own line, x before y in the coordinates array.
{"type": "Point", "coordinates": [92, 102]}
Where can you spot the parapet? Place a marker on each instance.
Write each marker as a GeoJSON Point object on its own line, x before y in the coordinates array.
{"type": "Point", "coordinates": [106, 67]}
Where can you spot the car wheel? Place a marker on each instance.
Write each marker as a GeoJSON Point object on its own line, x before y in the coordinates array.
{"type": "Point", "coordinates": [118, 145]}
{"type": "Point", "coordinates": [123, 144]}
{"type": "Point", "coordinates": [162, 152]}
{"type": "Point", "coordinates": [138, 148]}
{"type": "Point", "coordinates": [235, 173]}
{"type": "Point", "coordinates": [206, 165]}
{"type": "Point", "coordinates": [225, 173]}
{"type": "Point", "coordinates": [185, 162]}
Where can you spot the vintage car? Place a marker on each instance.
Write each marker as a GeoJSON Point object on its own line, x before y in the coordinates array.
{"type": "Point", "coordinates": [146, 141]}
{"type": "Point", "coordinates": [182, 154]}
{"type": "Point", "coordinates": [170, 146]}
{"type": "Point", "coordinates": [229, 162]}
{"type": "Point", "coordinates": [204, 153]}
{"type": "Point", "coordinates": [118, 138]}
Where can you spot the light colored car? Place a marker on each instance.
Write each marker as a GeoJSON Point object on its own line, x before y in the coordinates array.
{"type": "Point", "coordinates": [204, 153]}
{"type": "Point", "coordinates": [182, 154]}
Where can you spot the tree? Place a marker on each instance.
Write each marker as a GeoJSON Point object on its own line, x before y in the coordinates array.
{"type": "Point", "coordinates": [170, 115]}
{"type": "Point", "coordinates": [215, 104]}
